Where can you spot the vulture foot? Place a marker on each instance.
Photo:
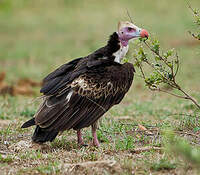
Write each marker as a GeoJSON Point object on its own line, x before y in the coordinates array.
{"type": "Point", "coordinates": [96, 142]}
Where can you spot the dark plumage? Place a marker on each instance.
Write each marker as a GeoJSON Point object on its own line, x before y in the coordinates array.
{"type": "Point", "coordinates": [78, 93]}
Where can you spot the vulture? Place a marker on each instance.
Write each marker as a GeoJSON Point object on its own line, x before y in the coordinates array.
{"type": "Point", "coordinates": [79, 92]}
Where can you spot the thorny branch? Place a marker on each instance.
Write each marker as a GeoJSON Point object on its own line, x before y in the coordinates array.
{"type": "Point", "coordinates": [165, 68]}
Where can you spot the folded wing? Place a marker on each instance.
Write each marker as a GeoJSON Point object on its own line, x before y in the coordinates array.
{"type": "Point", "coordinates": [79, 101]}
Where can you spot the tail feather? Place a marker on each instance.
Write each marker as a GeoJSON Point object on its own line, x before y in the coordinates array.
{"type": "Point", "coordinates": [42, 135]}
{"type": "Point", "coordinates": [29, 123]}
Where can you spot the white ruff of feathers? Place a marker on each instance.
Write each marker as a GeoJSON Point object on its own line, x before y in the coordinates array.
{"type": "Point", "coordinates": [120, 53]}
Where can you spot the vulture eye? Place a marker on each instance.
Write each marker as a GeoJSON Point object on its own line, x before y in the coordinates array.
{"type": "Point", "coordinates": [130, 29]}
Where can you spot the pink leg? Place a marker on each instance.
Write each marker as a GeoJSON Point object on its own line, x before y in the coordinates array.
{"type": "Point", "coordinates": [79, 137]}
{"type": "Point", "coordinates": [94, 135]}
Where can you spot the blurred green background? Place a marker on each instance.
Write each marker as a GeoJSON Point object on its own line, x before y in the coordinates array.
{"type": "Point", "coordinates": [38, 36]}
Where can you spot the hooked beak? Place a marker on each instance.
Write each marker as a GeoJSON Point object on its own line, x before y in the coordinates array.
{"type": "Point", "coordinates": [140, 33]}
{"type": "Point", "coordinates": [144, 34]}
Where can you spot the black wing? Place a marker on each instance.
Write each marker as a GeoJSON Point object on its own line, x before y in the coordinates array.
{"type": "Point", "coordinates": [84, 100]}
{"type": "Point", "coordinates": [56, 79]}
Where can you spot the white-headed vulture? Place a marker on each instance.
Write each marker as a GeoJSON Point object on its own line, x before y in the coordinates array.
{"type": "Point", "coordinates": [79, 92]}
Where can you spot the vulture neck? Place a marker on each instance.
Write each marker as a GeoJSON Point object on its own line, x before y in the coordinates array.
{"type": "Point", "coordinates": [116, 47]}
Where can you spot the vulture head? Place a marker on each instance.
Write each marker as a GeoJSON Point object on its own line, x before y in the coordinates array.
{"type": "Point", "coordinates": [127, 31]}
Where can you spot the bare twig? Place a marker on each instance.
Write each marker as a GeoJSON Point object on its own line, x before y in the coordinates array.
{"type": "Point", "coordinates": [177, 67]}
{"type": "Point", "coordinates": [190, 97]}
{"type": "Point", "coordinates": [143, 75]}
{"type": "Point", "coordinates": [145, 149]}
{"type": "Point", "coordinates": [164, 73]}
{"type": "Point", "coordinates": [188, 133]}
{"type": "Point", "coordinates": [175, 95]}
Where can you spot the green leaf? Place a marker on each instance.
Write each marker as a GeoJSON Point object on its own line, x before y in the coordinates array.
{"type": "Point", "coordinates": [170, 65]}
{"type": "Point", "coordinates": [170, 52]}
{"type": "Point", "coordinates": [157, 58]}
{"type": "Point", "coordinates": [156, 46]}
{"type": "Point", "coordinates": [125, 60]}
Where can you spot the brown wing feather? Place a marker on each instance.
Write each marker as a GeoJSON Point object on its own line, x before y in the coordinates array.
{"type": "Point", "coordinates": [93, 95]}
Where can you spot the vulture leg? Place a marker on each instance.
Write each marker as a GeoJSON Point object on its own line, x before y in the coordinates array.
{"type": "Point", "coordinates": [80, 139]}
{"type": "Point", "coordinates": [94, 135]}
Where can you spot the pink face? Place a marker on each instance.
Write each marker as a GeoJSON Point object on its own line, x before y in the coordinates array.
{"type": "Point", "coordinates": [129, 31]}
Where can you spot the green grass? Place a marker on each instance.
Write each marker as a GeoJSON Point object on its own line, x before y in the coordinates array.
{"type": "Point", "coordinates": [4, 159]}
{"type": "Point", "coordinates": [38, 36]}
{"type": "Point", "coordinates": [163, 164]}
